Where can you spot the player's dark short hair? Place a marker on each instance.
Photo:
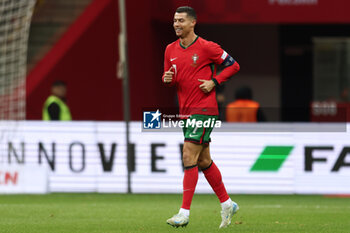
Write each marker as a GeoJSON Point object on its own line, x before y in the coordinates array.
{"type": "Point", "coordinates": [187, 9]}
{"type": "Point", "coordinates": [58, 83]}
{"type": "Point", "coordinates": [244, 93]}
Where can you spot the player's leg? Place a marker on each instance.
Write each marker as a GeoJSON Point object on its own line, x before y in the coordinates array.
{"type": "Point", "coordinates": [212, 174]}
{"type": "Point", "coordinates": [214, 178]}
{"type": "Point", "coordinates": [190, 156]}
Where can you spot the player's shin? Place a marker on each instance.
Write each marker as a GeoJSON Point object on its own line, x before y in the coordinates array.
{"type": "Point", "coordinates": [214, 178]}
{"type": "Point", "coordinates": [189, 185]}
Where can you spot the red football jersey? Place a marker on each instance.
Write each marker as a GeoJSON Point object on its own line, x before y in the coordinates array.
{"type": "Point", "coordinates": [197, 61]}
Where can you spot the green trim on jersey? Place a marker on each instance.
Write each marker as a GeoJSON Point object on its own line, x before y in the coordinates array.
{"type": "Point", "coordinates": [189, 44]}
{"type": "Point", "coordinates": [199, 135]}
{"type": "Point", "coordinates": [212, 68]}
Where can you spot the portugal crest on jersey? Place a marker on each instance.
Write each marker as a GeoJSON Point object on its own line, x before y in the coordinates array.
{"type": "Point", "coordinates": [195, 59]}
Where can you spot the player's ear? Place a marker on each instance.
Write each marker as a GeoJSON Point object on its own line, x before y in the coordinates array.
{"type": "Point", "coordinates": [194, 22]}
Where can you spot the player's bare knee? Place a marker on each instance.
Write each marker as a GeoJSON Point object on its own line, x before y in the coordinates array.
{"type": "Point", "coordinates": [204, 163]}
{"type": "Point", "coordinates": [188, 159]}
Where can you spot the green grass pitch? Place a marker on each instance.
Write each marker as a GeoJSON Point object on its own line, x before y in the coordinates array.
{"type": "Point", "coordinates": [107, 213]}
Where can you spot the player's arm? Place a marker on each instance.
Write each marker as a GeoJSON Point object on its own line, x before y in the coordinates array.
{"type": "Point", "coordinates": [168, 75]}
{"type": "Point", "coordinates": [231, 68]}
{"type": "Point", "coordinates": [220, 57]}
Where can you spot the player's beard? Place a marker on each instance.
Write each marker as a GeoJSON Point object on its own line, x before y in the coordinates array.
{"type": "Point", "coordinates": [183, 34]}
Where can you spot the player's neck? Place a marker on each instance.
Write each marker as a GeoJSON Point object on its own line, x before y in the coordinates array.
{"type": "Point", "coordinates": [188, 40]}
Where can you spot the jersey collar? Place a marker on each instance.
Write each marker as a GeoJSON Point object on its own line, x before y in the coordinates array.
{"type": "Point", "coordinates": [189, 44]}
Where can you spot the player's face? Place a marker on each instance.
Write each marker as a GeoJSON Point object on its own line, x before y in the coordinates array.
{"type": "Point", "coordinates": [183, 24]}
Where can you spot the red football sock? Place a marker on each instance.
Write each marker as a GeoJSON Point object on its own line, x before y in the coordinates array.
{"type": "Point", "coordinates": [189, 185]}
{"type": "Point", "coordinates": [213, 176]}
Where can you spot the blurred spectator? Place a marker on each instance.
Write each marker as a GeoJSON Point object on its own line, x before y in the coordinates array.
{"type": "Point", "coordinates": [55, 107]}
{"type": "Point", "coordinates": [244, 109]}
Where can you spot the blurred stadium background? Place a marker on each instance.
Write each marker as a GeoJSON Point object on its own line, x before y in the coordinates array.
{"type": "Point", "coordinates": [294, 54]}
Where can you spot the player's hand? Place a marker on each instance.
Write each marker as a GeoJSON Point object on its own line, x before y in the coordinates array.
{"type": "Point", "coordinates": [168, 75]}
{"type": "Point", "coordinates": [207, 85]}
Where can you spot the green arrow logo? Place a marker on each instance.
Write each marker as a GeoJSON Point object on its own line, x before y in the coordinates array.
{"type": "Point", "coordinates": [271, 159]}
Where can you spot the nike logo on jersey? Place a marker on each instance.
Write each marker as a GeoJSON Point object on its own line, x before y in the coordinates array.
{"type": "Point", "coordinates": [192, 135]}
{"type": "Point", "coordinates": [173, 59]}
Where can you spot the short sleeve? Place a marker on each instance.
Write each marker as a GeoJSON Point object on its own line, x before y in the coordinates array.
{"type": "Point", "coordinates": [216, 53]}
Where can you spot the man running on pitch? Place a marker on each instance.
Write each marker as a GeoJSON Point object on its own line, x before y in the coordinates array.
{"type": "Point", "coordinates": [189, 64]}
